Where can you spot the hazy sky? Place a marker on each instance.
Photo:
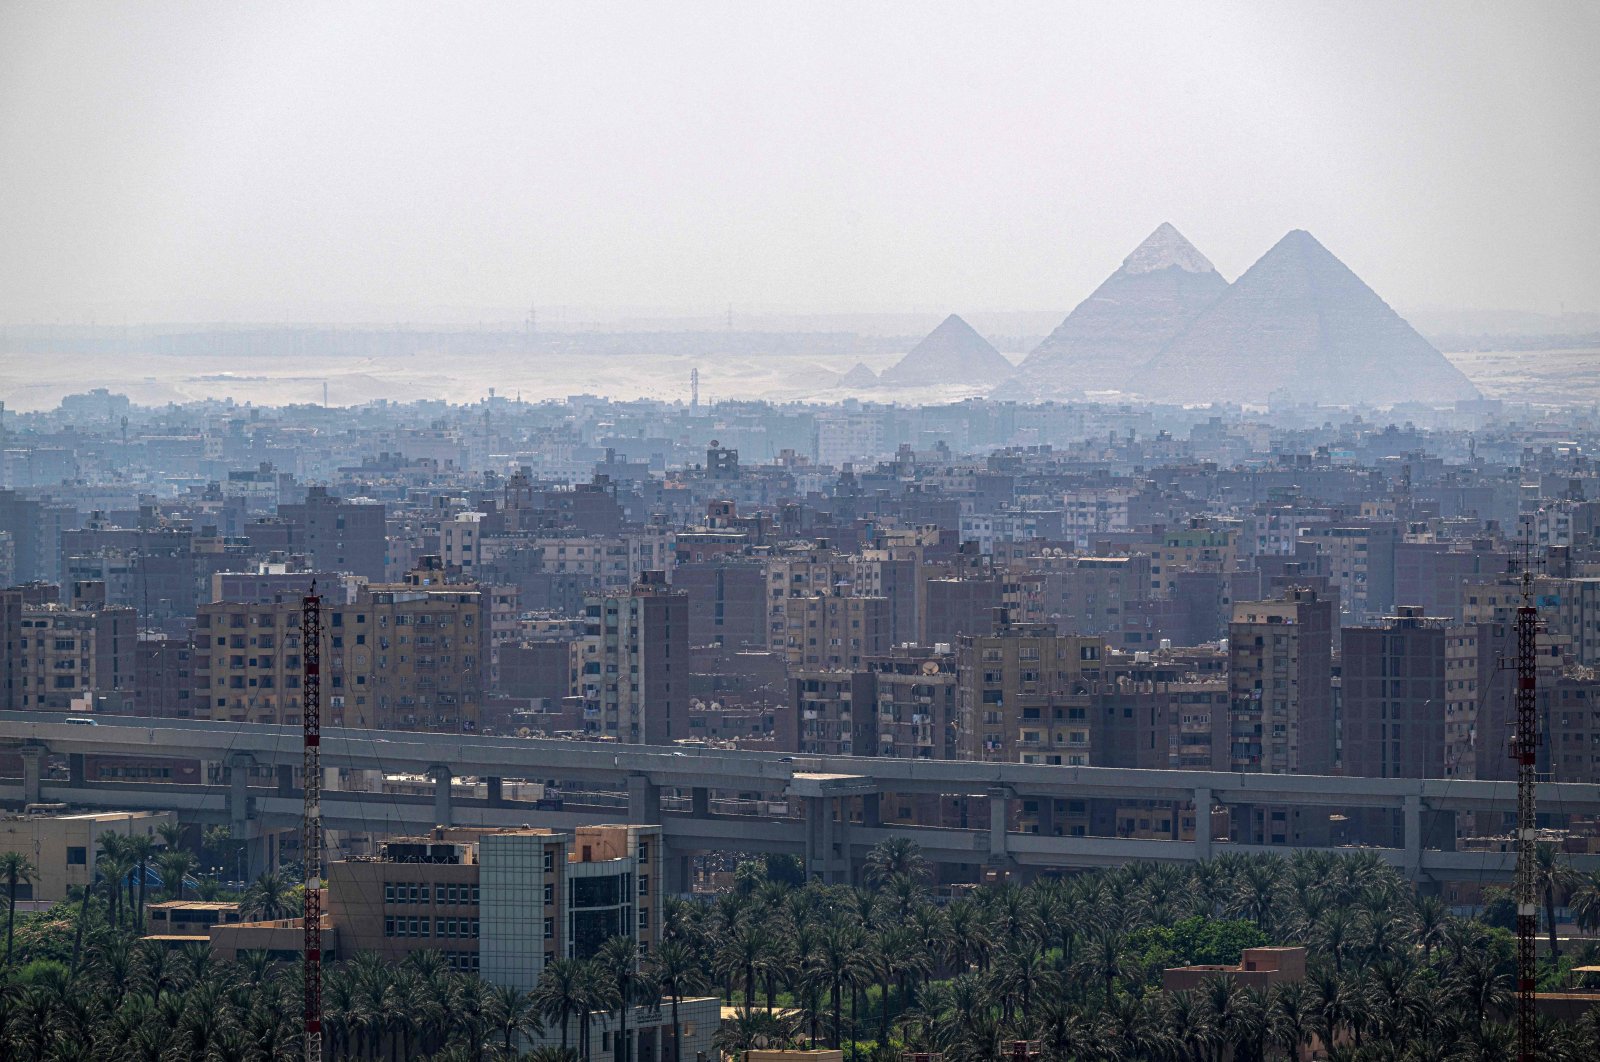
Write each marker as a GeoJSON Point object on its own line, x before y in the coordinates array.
{"type": "Point", "coordinates": [393, 161]}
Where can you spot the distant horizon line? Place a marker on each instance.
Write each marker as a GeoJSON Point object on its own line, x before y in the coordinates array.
{"type": "Point", "coordinates": [572, 320]}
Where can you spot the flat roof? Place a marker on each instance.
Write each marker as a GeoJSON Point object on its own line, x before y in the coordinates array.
{"type": "Point", "coordinates": [194, 905]}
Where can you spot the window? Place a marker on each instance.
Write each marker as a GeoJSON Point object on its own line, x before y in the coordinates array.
{"type": "Point", "coordinates": [549, 929]}
{"type": "Point", "coordinates": [549, 895]}
{"type": "Point", "coordinates": [388, 892]}
{"type": "Point", "coordinates": [77, 856]}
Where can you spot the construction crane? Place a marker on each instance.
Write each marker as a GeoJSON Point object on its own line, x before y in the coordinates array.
{"type": "Point", "coordinates": [311, 821]}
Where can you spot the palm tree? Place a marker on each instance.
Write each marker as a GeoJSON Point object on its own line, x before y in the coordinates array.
{"type": "Point", "coordinates": [1552, 875]}
{"type": "Point", "coordinates": [15, 870]}
{"type": "Point", "coordinates": [618, 960]}
{"type": "Point", "coordinates": [174, 865]}
{"type": "Point", "coordinates": [676, 969]}
{"type": "Point", "coordinates": [597, 995]}
{"type": "Point", "coordinates": [140, 849]}
{"type": "Point", "coordinates": [1288, 1022]}
{"type": "Point", "coordinates": [1429, 924]}
{"type": "Point", "coordinates": [171, 834]}
{"type": "Point", "coordinates": [892, 956]}
{"type": "Point", "coordinates": [1104, 956]}
{"type": "Point", "coordinates": [559, 994]}
{"type": "Point", "coordinates": [752, 1029]}
{"type": "Point", "coordinates": [745, 952]}
{"type": "Point", "coordinates": [269, 897]}
{"type": "Point", "coordinates": [896, 857]}
{"type": "Point", "coordinates": [1585, 902]}
{"type": "Point", "coordinates": [838, 961]}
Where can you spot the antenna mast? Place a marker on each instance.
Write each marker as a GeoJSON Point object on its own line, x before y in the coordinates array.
{"type": "Point", "coordinates": [1525, 744]}
{"type": "Point", "coordinates": [311, 824]}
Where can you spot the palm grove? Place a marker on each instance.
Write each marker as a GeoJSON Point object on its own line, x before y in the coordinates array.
{"type": "Point", "coordinates": [1072, 964]}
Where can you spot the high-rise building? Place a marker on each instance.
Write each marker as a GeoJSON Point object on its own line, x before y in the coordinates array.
{"type": "Point", "coordinates": [80, 650]}
{"type": "Point", "coordinates": [634, 673]}
{"type": "Point", "coordinates": [1281, 682]}
{"type": "Point", "coordinates": [1022, 694]}
{"type": "Point", "coordinates": [835, 631]}
{"type": "Point", "coordinates": [408, 657]}
{"type": "Point", "coordinates": [338, 534]}
{"type": "Point", "coordinates": [1410, 693]}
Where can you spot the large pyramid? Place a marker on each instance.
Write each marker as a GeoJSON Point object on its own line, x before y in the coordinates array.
{"type": "Point", "coordinates": [1300, 324]}
{"type": "Point", "coordinates": [950, 354]}
{"type": "Point", "coordinates": [1161, 288]}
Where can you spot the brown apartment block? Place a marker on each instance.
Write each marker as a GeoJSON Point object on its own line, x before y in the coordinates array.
{"type": "Point", "coordinates": [63, 653]}
{"type": "Point", "coordinates": [1023, 694]}
{"type": "Point", "coordinates": [1281, 702]}
{"type": "Point", "coordinates": [634, 664]}
{"type": "Point", "coordinates": [402, 657]}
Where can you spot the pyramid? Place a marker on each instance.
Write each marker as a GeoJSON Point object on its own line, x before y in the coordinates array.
{"type": "Point", "coordinates": [858, 376]}
{"type": "Point", "coordinates": [1159, 290]}
{"type": "Point", "coordinates": [1300, 324]}
{"type": "Point", "coordinates": [952, 353]}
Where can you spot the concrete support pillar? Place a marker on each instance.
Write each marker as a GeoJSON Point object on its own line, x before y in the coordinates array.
{"type": "Point", "coordinates": [829, 862]}
{"type": "Point", "coordinates": [700, 801]}
{"type": "Point", "coordinates": [239, 765]}
{"type": "Point", "coordinates": [816, 808]}
{"type": "Point", "coordinates": [676, 870]}
{"type": "Point", "coordinates": [32, 773]}
{"type": "Point", "coordinates": [1202, 824]}
{"type": "Point", "coordinates": [872, 810]}
{"type": "Point", "coordinates": [75, 771]}
{"type": "Point", "coordinates": [442, 777]}
{"type": "Point", "coordinates": [644, 801]}
{"type": "Point", "coordinates": [999, 815]}
{"type": "Point", "coordinates": [258, 856]}
{"type": "Point", "coordinates": [1412, 816]}
{"type": "Point", "coordinates": [493, 791]}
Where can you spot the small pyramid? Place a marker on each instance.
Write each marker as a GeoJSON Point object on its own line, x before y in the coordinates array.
{"type": "Point", "coordinates": [859, 376]}
{"type": "Point", "coordinates": [1157, 292]}
{"type": "Point", "coordinates": [1300, 323]}
{"type": "Point", "coordinates": [953, 353]}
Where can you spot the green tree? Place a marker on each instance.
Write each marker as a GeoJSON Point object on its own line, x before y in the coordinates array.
{"type": "Point", "coordinates": [140, 849]}
{"type": "Point", "coordinates": [559, 994]}
{"type": "Point", "coordinates": [16, 870]}
{"type": "Point", "coordinates": [677, 969]}
{"type": "Point", "coordinates": [174, 865]}
{"type": "Point", "coordinates": [269, 897]}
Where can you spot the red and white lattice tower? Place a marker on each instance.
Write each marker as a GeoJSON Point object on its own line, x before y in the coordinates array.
{"type": "Point", "coordinates": [311, 824]}
{"type": "Point", "coordinates": [1524, 749]}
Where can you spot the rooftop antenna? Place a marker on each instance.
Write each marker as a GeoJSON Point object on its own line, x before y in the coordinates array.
{"type": "Point", "coordinates": [311, 815]}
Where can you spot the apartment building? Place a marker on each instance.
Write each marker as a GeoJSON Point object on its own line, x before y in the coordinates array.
{"type": "Point", "coordinates": [834, 630]}
{"type": "Point", "coordinates": [408, 657]}
{"type": "Point", "coordinates": [1022, 694]}
{"type": "Point", "coordinates": [634, 672]}
{"type": "Point", "coordinates": [1280, 681]}
{"type": "Point", "coordinates": [71, 652]}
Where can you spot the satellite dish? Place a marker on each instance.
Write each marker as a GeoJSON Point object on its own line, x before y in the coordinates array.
{"type": "Point", "coordinates": [930, 667]}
